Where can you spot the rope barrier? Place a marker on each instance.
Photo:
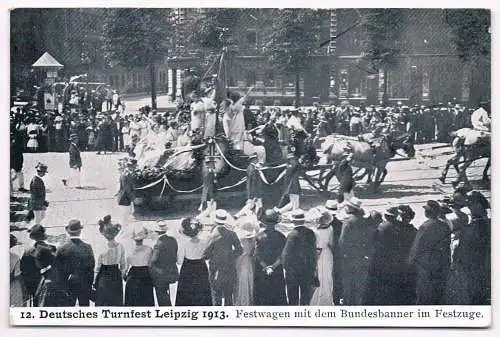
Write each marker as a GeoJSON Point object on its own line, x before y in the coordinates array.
{"type": "Point", "coordinates": [181, 191]}
{"type": "Point", "coordinates": [149, 185]}
{"type": "Point", "coordinates": [227, 161]}
{"type": "Point", "coordinates": [243, 180]}
{"type": "Point", "coordinates": [264, 179]}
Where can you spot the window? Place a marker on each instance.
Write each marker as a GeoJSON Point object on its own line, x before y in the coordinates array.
{"type": "Point", "coordinates": [251, 78]}
{"type": "Point", "coordinates": [251, 37]}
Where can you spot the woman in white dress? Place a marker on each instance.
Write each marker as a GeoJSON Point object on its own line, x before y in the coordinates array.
{"type": "Point", "coordinates": [323, 295]}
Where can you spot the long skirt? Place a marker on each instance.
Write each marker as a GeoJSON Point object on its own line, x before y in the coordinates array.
{"type": "Point", "coordinates": [139, 288]}
{"type": "Point", "coordinates": [109, 287]}
{"type": "Point", "coordinates": [193, 288]}
{"type": "Point", "coordinates": [269, 289]}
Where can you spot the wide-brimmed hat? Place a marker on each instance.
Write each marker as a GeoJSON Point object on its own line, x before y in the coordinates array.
{"type": "Point", "coordinates": [41, 167]}
{"type": "Point", "coordinates": [298, 216]}
{"type": "Point", "coordinates": [107, 228]}
{"type": "Point", "coordinates": [354, 203]}
{"type": "Point", "coordinates": [407, 211]}
{"type": "Point", "coordinates": [37, 233]}
{"type": "Point", "coordinates": [331, 205]}
{"type": "Point", "coordinates": [432, 206]}
{"type": "Point", "coordinates": [13, 241]}
{"type": "Point", "coordinates": [246, 228]}
{"type": "Point", "coordinates": [74, 227]}
{"type": "Point", "coordinates": [190, 227]}
{"type": "Point", "coordinates": [140, 235]}
{"type": "Point", "coordinates": [73, 136]}
{"type": "Point", "coordinates": [222, 217]}
{"type": "Point", "coordinates": [58, 119]}
{"type": "Point", "coordinates": [393, 211]}
{"type": "Point", "coordinates": [269, 218]}
{"type": "Point", "coordinates": [161, 226]}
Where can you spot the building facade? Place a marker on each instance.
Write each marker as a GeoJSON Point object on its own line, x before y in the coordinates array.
{"type": "Point", "coordinates": [428, 69]}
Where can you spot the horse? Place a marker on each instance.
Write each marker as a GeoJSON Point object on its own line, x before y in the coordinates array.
{"type": "Point", "coordinates": [469, 145]}
{"type": "Point", "coordinates": [372, 157]}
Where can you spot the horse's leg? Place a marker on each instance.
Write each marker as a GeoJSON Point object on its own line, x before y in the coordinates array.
{"type": "Point", "coordinates": [376, 180]}
{"type": "Point", "coordinates": [384, 174]}
{"type": "Point", "coordinates": [485, 171]}
{"type": "Point", "coordinates": [451, 161]}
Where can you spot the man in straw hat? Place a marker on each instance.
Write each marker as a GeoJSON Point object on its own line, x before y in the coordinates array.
{"type": "Point", "coordinates": [222, 252]}
{"type": "Point", "coordinates": [269, 245]}
{"type": "Point", "coordinates": [356, 246]}
{"type": "Point", "coordinates": [75, 162]}
{"type": "Point", "coordinates": [38, 204]}
{"type": "Point", "coordinates": [430, 255]}
{"type": "Point", "coordinates": [299, 259]}
{"type": "Point", "coordinates": [332, 207]}
{"type": "Point", "coordinates": [76, 261]}
{"type": "Point", "coordinates": [29, 269]}
{"type": "Point", "coordinates": [163, 266]}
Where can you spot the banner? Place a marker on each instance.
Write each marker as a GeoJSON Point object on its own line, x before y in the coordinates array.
{"type": "Point", "coordinates": [331, 316]}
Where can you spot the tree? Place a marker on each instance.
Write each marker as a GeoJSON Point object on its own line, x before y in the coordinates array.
{"type": "Point", "coordinates": [472, 38]}
{"type": "Point", "coordinates": [383, 28]}
{"type": "Point", "coordinates": [212, 31]}
{"type": "Point", "coordinates": [292, 40]}
{"type": "Point", "coordinates": [138, 38]}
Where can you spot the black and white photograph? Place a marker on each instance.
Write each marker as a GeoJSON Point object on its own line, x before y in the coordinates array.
{"type": "Point", "coordinates": [332, 163]}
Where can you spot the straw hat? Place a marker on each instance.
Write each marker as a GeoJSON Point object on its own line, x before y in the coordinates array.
{"type": "Point", "coordinates": [161, 226]}
{"type": "Point", "coordinates": [298, 217]}
{"type": "Point", "coordinates": [354, 203]}
{"type": "Point", "coordinates": [222, 218]}
{"type": "Point", "coordinates": [331, 205]}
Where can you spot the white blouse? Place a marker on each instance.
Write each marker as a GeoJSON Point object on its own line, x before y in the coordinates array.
{"type": "Point", "coordinates": [114, 254]}
{"type": "Point", "coordinates": [141, 256]}
{"type": "Point", "coordinates": [191, 249]}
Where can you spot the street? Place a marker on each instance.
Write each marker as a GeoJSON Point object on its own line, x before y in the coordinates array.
{"type": "Point", "coordinates": [408, 182]}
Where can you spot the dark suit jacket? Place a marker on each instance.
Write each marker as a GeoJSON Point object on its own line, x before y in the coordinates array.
{"type": "Point", "coordinates": [29, 269]}
{"type": "Point", "coordinates": [163, 263]}
{"type": "Point", "coordinates": [431, 248]}
{"type": "Point", "coordinates": [37, 194]}
{"type": "Point", "coordinates": [75, 160]}
{"type": "Point", "coordinates": [268, 247]}
{"type": "Point", "coordinates": [50, 292]}
{"type": "Point", "coordinates": [299, 254]}
{"type": "Point", "coordinates": [356, 239]}
{"type": "Point", "coordinates": [222, 253]}
{"type": "Point", "coordinates": [75, 261]}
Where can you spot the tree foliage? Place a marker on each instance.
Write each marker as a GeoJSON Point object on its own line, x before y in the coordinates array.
{"type": "Point", "coordinates": [383, 28]}
{"type": "Point", "coordinates": [471, 33]}
{"type": "Point", "coordinates": [137, 37]}
{"type": "Point", "coordinates": [293, 39]}
{"type": "Point", "coordinates": [213, 29]}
